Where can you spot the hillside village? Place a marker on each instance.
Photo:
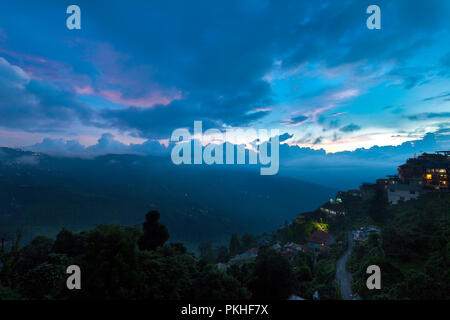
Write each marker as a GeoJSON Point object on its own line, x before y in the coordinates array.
{"type": "Point", "coordinates": [425, 174]}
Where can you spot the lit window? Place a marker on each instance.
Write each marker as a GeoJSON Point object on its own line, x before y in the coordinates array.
{"type": "Point", "coordinates": [429, 176]}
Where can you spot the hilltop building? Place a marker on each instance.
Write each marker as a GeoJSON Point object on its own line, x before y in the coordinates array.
{"type": "Point", "coordinates": [430, 170]}
{"type": "Point", "coordinates": [404, 192]}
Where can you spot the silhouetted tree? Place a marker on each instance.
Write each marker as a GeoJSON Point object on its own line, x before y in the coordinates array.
{"type": "Point", "coordinates": [155, 233]}
{"type": "Point", "coordinates": [248, 241]}
{"type": "Point", "coordinates": [68, 243]}
{"type": "Point", "coordinates": [235, 245]}
{"type": "Point", "coordinates": [378, 206]}
{"type": "Point", "coordinates": [207, 253]}
{"type": "Point", "coordinates": [223, 255]}
{"type": "Point", "coordinates": [272, 276]}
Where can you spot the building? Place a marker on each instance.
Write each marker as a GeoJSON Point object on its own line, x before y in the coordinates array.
{"type": "Point", "coordinates": [362, 235]}
{"type": "Point", "coordinates": [403, 192]}
{"type": "Point", "coordinates": [430, 170]}
{"type": "Point", "coordinates": [367, 191]}
{"type": "Point", "coordinates": [333, 208]}
{"type": "Point", "coordinates": [243, 257]}
{"type": "Point", "coordinates": [386, 182]}
{"type": "Point", "coordinates": [320, 240]}
{"type": "Point", "coordinates": [293, 249]}
{"type": "Point", "coordinates": [290, 249]}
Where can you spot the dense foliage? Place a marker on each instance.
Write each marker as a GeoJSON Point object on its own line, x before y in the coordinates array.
{"type": "Point", "coordinates": [412, 252]}
{"type": "Point", "coordinates": [113, 267]}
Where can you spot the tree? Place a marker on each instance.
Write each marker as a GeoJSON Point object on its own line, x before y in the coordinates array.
{"type": "Point", "coordinates": [378, 206]}
{"type": "Point", "coordinates": [8, 294]}
{"type": "Point", "coordinates": [235, 245]}
{"type": "Point", "coordinates": [44, 281]}
{"type": "Point", "coordinates": [212, 284]}
{"type": "Point", "coordinates": [272, 277]}
{"type": "Point", "coordinates": [110, 265]}
{"type": "Point", "coordinates": [207, 253]}
{"type": "Point", "coordinates": [33, 254]}
{"type": "Point", "coordinates": [223, 254]}
{"type": "Point", "coordinates": [155, 233]}
{"type": "Point", "coordinates": [248, 241]}
{"type": "Point", "coordinates": [373, 240]}
{"type": "Point", "coordinates": [68, 243]}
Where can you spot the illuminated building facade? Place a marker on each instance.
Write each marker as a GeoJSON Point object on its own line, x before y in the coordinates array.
{"type": "Point", "coordinates": [430, 171]}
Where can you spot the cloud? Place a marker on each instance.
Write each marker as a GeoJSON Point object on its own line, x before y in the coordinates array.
{"type": "Point", "coordinates": [174, 64]}
{"type": "Point", "coordinates": [429, 115]}
{"type": "Point", "coordinates": [106, 144]}
{"type": "Point", "coordinates": [444, 95]}
{"type": "Point", "coordinates": [350, 128]}
{"type": "Point", "coordinates": [295, 121]}
{"type": "Point", "coordinates": [285, 136]}
{"type": "Point", "coordinates": [35, 105]}
{"type": "Point", "coordinates": [318, 140]}
{"type": "Point", "coordinates": [412, 77]}
{"type": "Point", "coordinates": [299, 119]}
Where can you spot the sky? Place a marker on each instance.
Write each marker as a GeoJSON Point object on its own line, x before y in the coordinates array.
{"type": "Point", "coordinates": [138, 70]}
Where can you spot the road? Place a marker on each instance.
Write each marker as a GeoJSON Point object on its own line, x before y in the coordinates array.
{"type": "Point", "coordinates": [343, 277]}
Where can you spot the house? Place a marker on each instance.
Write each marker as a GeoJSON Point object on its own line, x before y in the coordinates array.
{"type": "Point", "coordinates": [276, 247]}
{"type": "Point", "coordinates": [292, 249]}
{"type": "Point", "coordinates": [428, 170]}
{"type": "Point", "coordinates": [403, 192]}
{"type": "Point", "coordinates": [320, 240]}
{"type": "Point", "coordinates": [243, 257]}
{"type": "Point", "coordinates": [289, 249]}
{"type": "Point", "coordinates": [362, 235]}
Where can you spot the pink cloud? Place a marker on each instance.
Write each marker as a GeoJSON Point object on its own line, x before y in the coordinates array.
{"type": "Point", "coordinates": [148, 100]}
{"type": "Point", "coordinates": [45, 69]}
{"type": "Point", "coordinates": [84, 90]}
{"type": "Point", "coordinates": [120, 80]}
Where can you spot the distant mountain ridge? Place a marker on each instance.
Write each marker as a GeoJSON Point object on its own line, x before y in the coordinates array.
{"type": "Point", "coordinates": [197, 203]}
{"type": "Point", "coordinates": [340, 170]}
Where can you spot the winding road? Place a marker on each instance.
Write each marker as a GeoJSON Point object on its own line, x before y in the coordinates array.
{"type": "Point", "coordinates": [343, 277]}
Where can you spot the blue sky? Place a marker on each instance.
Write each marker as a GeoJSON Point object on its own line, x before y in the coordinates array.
{"type": "Point", "coordinates": [137, 70]}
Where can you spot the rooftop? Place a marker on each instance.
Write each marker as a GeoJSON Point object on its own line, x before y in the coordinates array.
{"type": "Point", "coordinates": [320, 237]}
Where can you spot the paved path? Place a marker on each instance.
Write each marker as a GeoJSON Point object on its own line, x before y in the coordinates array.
{"type": "Point", "coordinates": [343, 277]}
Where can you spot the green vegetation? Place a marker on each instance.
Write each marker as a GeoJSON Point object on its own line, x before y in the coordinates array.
{"type": "Point", "coordinates": [412, 252]}
{"type": "Point", "coordinates": [117, 263]}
